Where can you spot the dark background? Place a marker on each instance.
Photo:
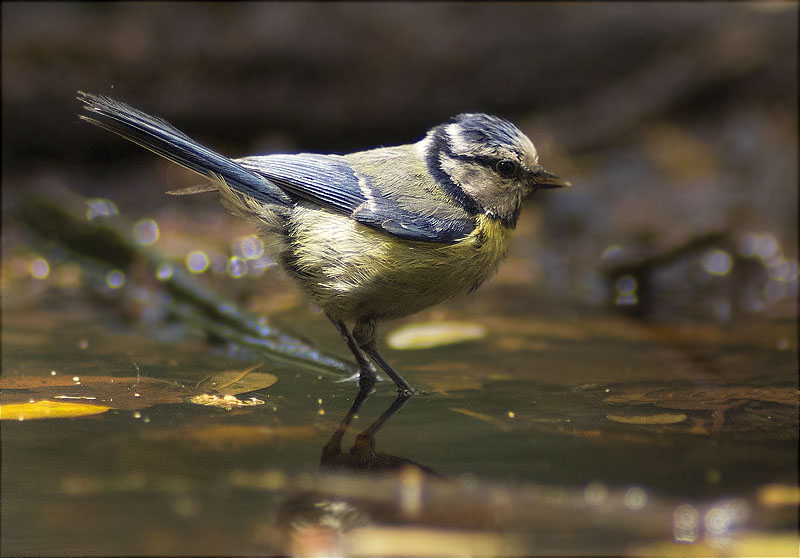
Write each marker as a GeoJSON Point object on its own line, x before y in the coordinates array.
{"type": "Point", "coordinates": [671, 120]}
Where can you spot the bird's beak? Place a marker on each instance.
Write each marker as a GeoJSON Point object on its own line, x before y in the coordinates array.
{"type": "Point", "coordinates": [545, 179]}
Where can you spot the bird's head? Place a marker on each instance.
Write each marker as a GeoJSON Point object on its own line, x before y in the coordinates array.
{"type": "Point", "coordinates": [486, 164]}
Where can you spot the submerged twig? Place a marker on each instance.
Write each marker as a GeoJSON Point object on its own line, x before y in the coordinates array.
{"type": "Point", "coordinates": [100, 243]}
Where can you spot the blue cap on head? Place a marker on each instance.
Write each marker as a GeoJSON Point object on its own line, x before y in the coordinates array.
{"type": "Point", "coordinates": [488, 130]}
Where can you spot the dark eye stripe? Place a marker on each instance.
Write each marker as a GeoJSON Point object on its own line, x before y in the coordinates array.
{"type": "Point", "coordinates": [483, 160]}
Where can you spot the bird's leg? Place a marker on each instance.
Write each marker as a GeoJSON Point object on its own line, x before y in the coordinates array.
{"type": "Point", "coordinates": [364, 333]}
{"type": "Point", "coordinates": [366, 369]}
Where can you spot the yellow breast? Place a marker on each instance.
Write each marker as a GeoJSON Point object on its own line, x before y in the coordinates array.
{"type": "Point", "coordinates": [353, 271]}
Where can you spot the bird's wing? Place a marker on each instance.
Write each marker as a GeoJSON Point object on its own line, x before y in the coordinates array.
{"type": "Point", "coordinates": [331, 182]}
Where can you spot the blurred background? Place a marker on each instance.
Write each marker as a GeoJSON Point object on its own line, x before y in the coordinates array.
{"type": "Point", "coordinates": [673, 121]}
{"type": "Point", "coordinates": [637, 352]}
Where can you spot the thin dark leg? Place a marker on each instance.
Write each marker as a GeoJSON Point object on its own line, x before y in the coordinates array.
{"type": "Point", "coordinates": [364, 334]}
{"type": "Point", "coordinates": [402, 385]}
{"type": "Point", "coordinates": [365, 367]}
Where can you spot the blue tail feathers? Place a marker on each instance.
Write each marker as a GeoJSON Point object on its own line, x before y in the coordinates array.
{"type": "Point", "coordinates": [162, 138]}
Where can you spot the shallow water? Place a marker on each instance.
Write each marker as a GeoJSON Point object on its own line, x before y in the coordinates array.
{"type": "Point", "coordinates": [569, 431]}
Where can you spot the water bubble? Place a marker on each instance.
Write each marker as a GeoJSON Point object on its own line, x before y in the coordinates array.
{"type": "Point", "coordinates": [100, 207]}
{"type": "Point", "coordinates": [635, 498]}
{"type": "Point", "coordinates": [115, 279]}
{"type": "Point", "coordinates": [626, 290]}
{"type": "Point", "coordinates": [784, 270]}
{"type": "Point", "coordinates": [237, 267]}
{"type": "Point", "coordinates": [717, 262]}
{"type": "Point", "coordinates": [685, 522]}
{"type": "Point", "coordinates": [766, 246]}
{"type": "Point", "coordinates": [248, 247]}
{"type": "Point", "coordinates": [145, 232]}
{"type": "Point", "coordinates": [197, 261]}
{"type": "Point", "coordinates": [164, 272]}
{"type": "Point", "coordinates": [626, 285]}
{"type": "Point", "coordinates": [595, 493]}
{"type": "Point", "coordinates": [39, 268]}
{"type": "Point", "coordinates": [717, 521]}
{"type": "Point", "coordinates": [611, 252]}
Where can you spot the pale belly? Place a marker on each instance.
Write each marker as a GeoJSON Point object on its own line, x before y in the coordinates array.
{"type": "Point", "coordinates": [352, 271]}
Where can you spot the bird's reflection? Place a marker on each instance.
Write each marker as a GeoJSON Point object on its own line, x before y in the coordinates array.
{"type": "Point", "coordinates": [363, 457]}
{"type": "Point", "coordinates": [315, 520]}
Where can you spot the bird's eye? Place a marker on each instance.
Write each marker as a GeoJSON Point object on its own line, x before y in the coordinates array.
{"type": "Point", "coordinates": [506, 168]}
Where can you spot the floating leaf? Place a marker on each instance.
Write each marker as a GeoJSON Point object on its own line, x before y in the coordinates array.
{"type": "Point", "coordinates": [236, 382]}
{"type": "Point", "coordinates": [48, 410]}
{"type": "Point", "coordinates": [707, 399]}
{"type": "Point", "coordinates": [130, 393]}
{"type": "Point", "coordinates": [226, 402]}
{"type": "Point", "coordinates": [434, 334]}
{"type": "Point", "coordinates": [663, 418]}
{"type": "Point", "coordinates": [112, 391]}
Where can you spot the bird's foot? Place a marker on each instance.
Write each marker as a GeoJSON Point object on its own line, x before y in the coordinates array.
{"type": "Point", "coordinates": [409, 391]}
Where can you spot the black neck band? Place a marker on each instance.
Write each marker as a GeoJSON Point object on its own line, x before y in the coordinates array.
{"type": "Point", "coordinates": [439, 145]}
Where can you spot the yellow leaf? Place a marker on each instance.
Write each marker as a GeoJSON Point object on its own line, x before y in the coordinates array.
{"type": "Point", "coordinates": [774, 495]}
{"type": "Point", "coordinates": [226, 402]}
{"type": "Point", "coordinates": [434, 334]}
{"type": "Point", "coordinates": [236, 382]}
{"type": "Point", "coordinates": [663, 418]}
{"type": "Point", "coordinates": [49, 409]}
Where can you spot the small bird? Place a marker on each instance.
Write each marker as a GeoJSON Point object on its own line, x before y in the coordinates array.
{"type": "Point", "coordinates": [371, 235]}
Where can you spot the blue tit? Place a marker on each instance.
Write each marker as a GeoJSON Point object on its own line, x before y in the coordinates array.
{"type": "Point", "coordinates": [371, 235]}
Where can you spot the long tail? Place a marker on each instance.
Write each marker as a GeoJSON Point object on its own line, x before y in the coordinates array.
{"type": "Point", "coordinates": [162, 138]}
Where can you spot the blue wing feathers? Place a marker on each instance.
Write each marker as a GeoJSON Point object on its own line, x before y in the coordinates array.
{"type": "Point", "coordinates": [331, 182]}
{"type": "Point", "coordinates": [326, 180]}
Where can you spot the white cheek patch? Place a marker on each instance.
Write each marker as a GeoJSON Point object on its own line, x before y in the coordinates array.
{"type": "Point", "coordinates": [448, 164]}
{"type": "Point", "coordinates": [474, 179]}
